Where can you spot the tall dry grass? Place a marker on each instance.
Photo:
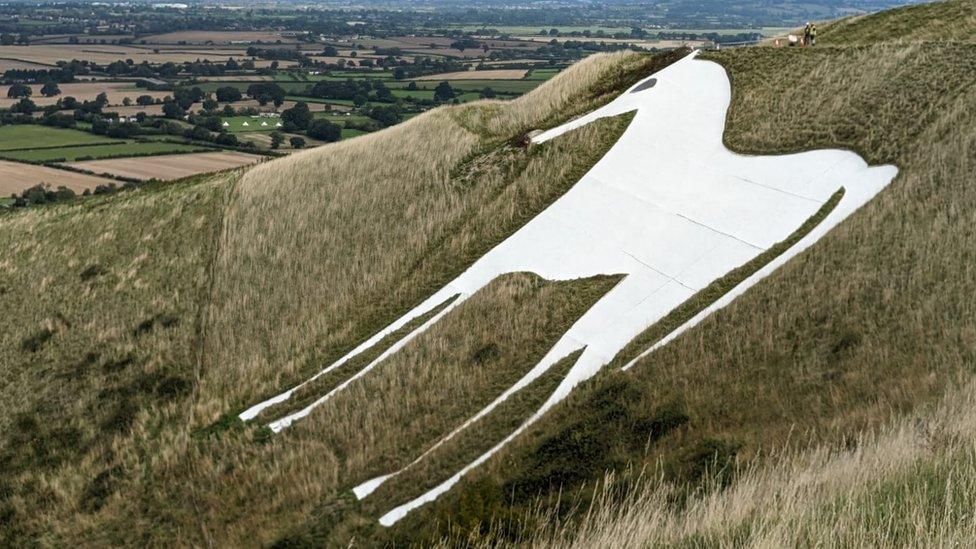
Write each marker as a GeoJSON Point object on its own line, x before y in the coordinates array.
{"type": "Point", "coordinates": [942, 20]}
{"type": "Point", "coordinates": [912, 484]}
{"type": "Point", "coordinates": [100, 303]}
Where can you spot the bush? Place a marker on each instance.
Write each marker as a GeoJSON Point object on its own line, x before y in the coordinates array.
{"type": "Point", "coordinates": [324, 130]}
{"type": "Point", "coordinates": [444, 92]}
{"type": "Point", "coordinates": [228, 94]}
{"type": "Point", "coordinates": [296, 118]}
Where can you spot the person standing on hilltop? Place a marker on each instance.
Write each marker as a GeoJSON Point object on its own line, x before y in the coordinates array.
{"type": "Point", "coordinates": [806, 34]}
{"type": "Point", "coordinates": [813, 34]}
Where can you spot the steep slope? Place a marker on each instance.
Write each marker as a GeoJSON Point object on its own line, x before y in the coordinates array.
{"type": "Point", "coordinates": [866, 325]}
{"type": "Point", "coordinates": [131, 323]}
{"type": "Point", "coordinates": [138, 327]}
{"type": "Point", "coordinates": [99, 328]}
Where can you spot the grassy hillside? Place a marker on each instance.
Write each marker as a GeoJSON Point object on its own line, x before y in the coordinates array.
{"type": "Point", "coordinates": [909, 485]}
{"type": "Point", "coordinates": [136, 326]}
{"type": "Point", "coordinates": [98, 346]}
{"type": "Point", "coordinates": [864, 327]}
{"type": "Point", "coordinates": [941, 21]}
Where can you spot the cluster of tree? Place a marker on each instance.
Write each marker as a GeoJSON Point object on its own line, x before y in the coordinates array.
{"type": "Point", "coordinates": [166, 70]}
{"type": "Point", "coordinates": [736, 38]}
{"type": "Point", "coordinates": [228, 94]}
{"type": "Point", "coordinates": [300, 118]}
{"type": "Point", "coordinates": [468, 43]}
{"type": "Point", "coordinates": [266, 92]}
{"type": "Point", "coordinates": [44, 194]}
{"type": "Point", "coordinates": [275, 54]}
{"type": "Point", "coordinates": [324, 130]}
{"type": "Point", "coordinates": [59, 75]}
{"type": "Point", "coordinates": [297, 118]}
{"type": "Point", "coordinates": [346, 89]}
{"type": "Point", "coordinates": [634, 33]}
{"type": "Point", "coordinates": [7, 39]}
{"type": "Point", "coordinates": [444, 92]}
{"type": "Point", "coordinates": [50, 89]}
{"type": "Point", "coordinates": [277, 138]}
{"type": "Point", "coordinates": [386, 116]}
{"type": "Point", "coordinates": [573, 49]}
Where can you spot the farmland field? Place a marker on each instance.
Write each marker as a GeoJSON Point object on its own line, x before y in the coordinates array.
{"type": "Point", "coordinates": [541, 74]}
{"type": "Point", "coordinates": [167, 167]}
{"type": "Point", "coordinates": [51, 54]}
{"type": "Point", "coordinates": [348, 133]}
{"type": "Point", "coordinates": [84, 91]}
{"type": "Point", "coordinates": [71, 154]}
{"type": "Point", "coordinates": [288, 86]}
{"type": "Point", "coordinates": [318, 101]}
{"type": "Point", "coordinates": [216, 37]}
{"type": "Point", "coordinates": [16, 177]}
{"type": "Point", "coordinates": [24, 136]}
{"type": "Point", "coordinates": [9, 64]}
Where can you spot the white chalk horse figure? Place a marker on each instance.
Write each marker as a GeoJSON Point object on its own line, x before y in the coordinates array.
{"type": "Point", "coordinates": [669, 207]}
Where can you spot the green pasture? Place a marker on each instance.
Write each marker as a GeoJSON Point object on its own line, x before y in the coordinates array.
{"type": "Point", "coordinates": [30, 136]}
{"type": "Point", "coordinates": [541, 74]}
{"type": "Point", "coordinates": [70, 154]}
{"type": "Point", "coordinates": [318, 100]}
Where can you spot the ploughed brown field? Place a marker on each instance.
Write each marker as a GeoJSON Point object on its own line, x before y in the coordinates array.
{"type": "Point", "coordinates": [85, 91]}
{"type": "Point", "coordinates": [168, 166]}
{"type": "Point", "coordinates": [16, 177]}
{"type": "Point", "coordinates": [11, 64]}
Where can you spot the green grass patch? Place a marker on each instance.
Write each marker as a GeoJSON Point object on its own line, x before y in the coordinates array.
{"type": "Point", "coordinates": [90, 152]}
{"type": "Point", "coordinates": [361, 74]}
{"type": "Point", "coordinates": [498, 86]}
{"type": "Point", "coordinates": [349, 133]}
{"type": "Point", "coordinates": [31, 136]}
{"type": "Point", "coordinates": [288, 86]}
{"type": "Point", "coordinates": [307, 99]}
{"type": "Point", "coordinates": [473, 441]}
{"type": "Point", "coordinates": [711, 293]}
{"type": "Point", "coordinates": [541, 74]}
